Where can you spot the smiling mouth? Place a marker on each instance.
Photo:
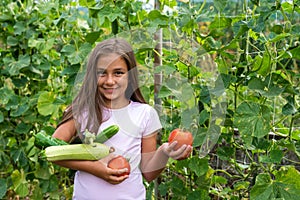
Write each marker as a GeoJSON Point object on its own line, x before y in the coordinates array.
{"type": "Point", "coordinates": [109, 90]}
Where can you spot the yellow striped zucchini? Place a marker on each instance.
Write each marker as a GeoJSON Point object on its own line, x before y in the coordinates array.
{"type": "Point", "coordinates": [93, 151]}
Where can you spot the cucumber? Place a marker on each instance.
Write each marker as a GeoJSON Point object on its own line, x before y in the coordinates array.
{"type": "Point", "coordinates": [107, 133]}
{"type": "Point", "coordinates": [42, 140]}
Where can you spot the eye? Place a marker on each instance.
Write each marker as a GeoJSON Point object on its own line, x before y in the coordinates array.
{"type": "Point", "coordinates": [119, 73]}
{"type": "Point", "coordinates": [101, 73]}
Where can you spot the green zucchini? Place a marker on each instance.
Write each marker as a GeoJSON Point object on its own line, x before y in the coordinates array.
{"type": "Point", "coordinates": [43, 140]}
{"type": "Point", "coordinates": [107, 133]}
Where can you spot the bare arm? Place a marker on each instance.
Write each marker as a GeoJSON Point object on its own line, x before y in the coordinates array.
{"type": "Point", "coordinates": [154, 160]}
{"type": "Point", "coordinates": [98, 168]}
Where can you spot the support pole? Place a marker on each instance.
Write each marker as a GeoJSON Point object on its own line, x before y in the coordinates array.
{"type": "Point", "coordinates": [157, 86]}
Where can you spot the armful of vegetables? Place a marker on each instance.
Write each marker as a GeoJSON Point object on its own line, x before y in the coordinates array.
{"type": "Point", "coordinates": [92, 149]}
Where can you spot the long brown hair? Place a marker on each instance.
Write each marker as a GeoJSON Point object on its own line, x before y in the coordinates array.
{"type": "Point", "coordinates": [89, 100]}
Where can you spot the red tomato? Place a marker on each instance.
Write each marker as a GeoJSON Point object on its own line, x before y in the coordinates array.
{"type": "Point", "coordinates": [119, 162]}
{"type": "Point", "coordinates": [182, 137]}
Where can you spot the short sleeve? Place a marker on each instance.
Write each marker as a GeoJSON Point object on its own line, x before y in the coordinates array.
{"type": "Point", "coordinates": [153, 123]}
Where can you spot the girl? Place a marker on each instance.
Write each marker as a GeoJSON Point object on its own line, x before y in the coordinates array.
{"type": "Point", "coordinates": [110, 95]}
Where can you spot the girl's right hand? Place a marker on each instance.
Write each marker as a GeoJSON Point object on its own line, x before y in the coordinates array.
{"type": "Point", "coordinates": [111, 176]}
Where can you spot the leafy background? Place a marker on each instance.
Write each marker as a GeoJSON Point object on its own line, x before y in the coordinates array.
{"type": "Point", "coordinates": [239, 97]}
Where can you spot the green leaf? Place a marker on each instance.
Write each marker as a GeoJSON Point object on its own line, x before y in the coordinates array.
{"type": "Point", "coordinates": [203, 117]}
{"type": "Point", "coordinates": [219, 87]}
{"type": "Point", "coordinates": [77, 56]}
{"type": "Point", "coordinates": [18, 155]}
{"type": "Point", "coordinates": [280, 37]}
{"type": "Point", "coordinates": [19, 81]}
{"type": "Point", "coordinates": [22, 190]}
{"type": "Point", "coordinates": [296, 52]}
{"type": "Point", "coordinates": [18, 177]}
{"type": "Point", "coordinates": [5, 17]}
{"type": "Point", "coordinates": [42, 170]}
{"type": "Point", "coordinates": [12, 41]}
{"type": "Point", "coordinates": [241, 185]}
{"type": "Point", "coordinates": [262, 192]}
{"type": "Point", "coordinates": [275, 156]}
{"type": "Point", "coordinates": [219, 180]}
{"type": "Point", "coordinates": [164, 92]}
{"type": "Point", "coordinates": [19, 28]}
{"type": "Point", "coordinates": [37, 192]}
{"type": "Point", "coordinates": [252, 119]}
{"type": "Point", "coordinates": [48, 45]}
{"type": "Point", "coordinates": [166, 69]}
{"type": "Point", "coordinates": [225, 152]}
{"type": "Point", "coordinates": [278, 29]}
{"type": "Point", "coordinates": [53, 184]}
{"type": "Point", "coordinates": [261, 143]}
{"type": "Point", "coordinates": [198, 165]}
{"type": "Point", "coordinates": [86, 3]}
{"type": "Point", "coordinates": [220, 22]}
{"type": "Point", "coordinates": [68, 49]}
{"type": "Point", "coordinates": [262, 64]}
{"type": "Point", "coordinates": [285, 186]}
{"type": "Point", "coordinates": [255, 2]}
{"type": "Point", "coordinates": [15, 66]}
{"type": "Point", "coordinates": [296, 135]}
{"type": "Point", "coordinates": [289, 108]}
{"type": "Point", "coordinates": [3, 187]}
{"type": "Point", "coordinates": [187, 92]}
{"type": "Point", "coordinates": [23, 128]}
{"type": "Point", "coordinates": [200, 137]}
{"type": "Point", "coordinates": [46, 104]}
{"type": "Point", "coordinates": [188, 117]}
{"type": "Point", "coordinates": [92, 37]}
{"type": "Point", "coordinates": [1, 117]}
{"type": "Point", "coordinates": [158, 18]}
{"type": "Point", "coordinates": [256, 84]}
{"type": "Point", "coordinates": [211, 138]}
{"type": "Point", "coordinates": [289, 175]}
{"type": "Point", "coordinates": [220, 4]}
{"type": "Point", "coordinates": [163, 189]}
{"type": "Point", "coordinates": [21, 108]}
{"type": "Point", "coordinates": [199, 193]}
{"type": "Point", "coordinates": [267, 88]}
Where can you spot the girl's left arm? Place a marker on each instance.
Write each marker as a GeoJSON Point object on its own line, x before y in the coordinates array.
{"type": "Point", "coordinates": [154, 160]}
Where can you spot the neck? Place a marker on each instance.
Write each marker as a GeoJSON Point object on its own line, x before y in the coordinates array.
{"type": "Point", "coordinates": [117, 105]}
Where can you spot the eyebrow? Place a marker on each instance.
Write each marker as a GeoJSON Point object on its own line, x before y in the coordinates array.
{"type": "Point", "coordinates": [116, 69]}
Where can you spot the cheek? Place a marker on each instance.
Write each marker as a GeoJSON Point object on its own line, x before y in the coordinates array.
{"type": "Point", "coordinates": [99, 82]}
{"type": "Point", "coordinates": [123, 80]}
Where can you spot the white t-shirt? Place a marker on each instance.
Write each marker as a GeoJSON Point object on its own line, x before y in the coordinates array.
{"type": "Point", "coordinates": [135, 121]}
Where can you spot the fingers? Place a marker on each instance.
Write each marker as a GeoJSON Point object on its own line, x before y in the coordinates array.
{"type": "Point", "coordinates": [116, 176]}
{"type": "Point", "coordinates": [112, 176]}
{"type": "Point", "coordinates": [169, 148]}
{"type": "Point", "coordinates": [186, 153]}
{"type": "Point", "coordinates": [182, 153]}
{"type": "Point", "coordinates": [119, 172]}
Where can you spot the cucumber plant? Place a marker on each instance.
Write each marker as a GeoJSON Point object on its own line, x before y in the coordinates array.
{"type": "Point", "coordinates": [255, 48]}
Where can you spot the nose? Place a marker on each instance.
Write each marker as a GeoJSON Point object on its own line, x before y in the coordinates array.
{"type": "Point", "coordinates": [109, 79]}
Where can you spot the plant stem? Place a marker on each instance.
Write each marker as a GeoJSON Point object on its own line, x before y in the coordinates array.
{"type": "Point", "coordinates": [202, 6]}
{"type": "Point", "coordinates": [291, 128]}
{"type": "Point", "coordinates": [223, 171]}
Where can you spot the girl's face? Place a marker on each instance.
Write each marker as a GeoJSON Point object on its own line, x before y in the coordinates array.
{"type": "Point", "coordinates": [112, 75]}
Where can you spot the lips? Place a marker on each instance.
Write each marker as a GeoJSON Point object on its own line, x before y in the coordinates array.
{"type": "Point", "coordinates": [109, 90]}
